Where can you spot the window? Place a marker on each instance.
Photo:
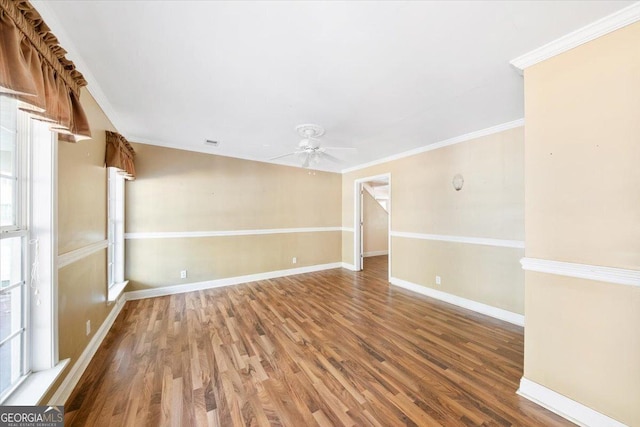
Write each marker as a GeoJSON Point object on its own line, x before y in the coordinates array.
{"type": "Point", "coordinates": [116, 233]}
{"type": "Point", "coordinates": [14, 238]}
{"type": "Point", "coordinates": [27, 274]}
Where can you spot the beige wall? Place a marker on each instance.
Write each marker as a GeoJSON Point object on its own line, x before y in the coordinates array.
{"type": "Point", "coordinates": [82, 220]}
{"type": "Point", "coordinates": [491, 205]}
{"type": "Point", "coordinates": [183, 191]}
{"type": "Point", "coordinates": [486, 274]}
{"type": "Point", "coordinates": [582, 178]}
{"type": "Point", "coordinates": [376, 225]}
{"type": "Point", "coordinates": [82, 184]}
{"type": "Point", "coordinates": [155, 263]}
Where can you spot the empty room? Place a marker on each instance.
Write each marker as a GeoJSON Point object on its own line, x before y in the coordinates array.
{"type": "Point", "coordinates": [319, 213]}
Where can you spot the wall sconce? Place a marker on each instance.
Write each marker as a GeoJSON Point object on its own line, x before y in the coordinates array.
{"type": "Point", "coordinates": [458, 182]}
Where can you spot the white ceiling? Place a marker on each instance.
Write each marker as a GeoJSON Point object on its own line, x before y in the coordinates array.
{"type": "Point", "coordinates": [383, 77]}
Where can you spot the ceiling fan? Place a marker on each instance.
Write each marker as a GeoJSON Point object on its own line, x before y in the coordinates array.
{"type": "Point", "coordinates": [309, 150]}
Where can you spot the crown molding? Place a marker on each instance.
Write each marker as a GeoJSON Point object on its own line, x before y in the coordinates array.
{"type": "Point", "coordinates": [208, 149]}
{"type": "Point", "coordinates": [441, 144]}
{"type": "Point", "coordinates": [608, 24]}
{"type": "Point", "coordinates": [619, 276]}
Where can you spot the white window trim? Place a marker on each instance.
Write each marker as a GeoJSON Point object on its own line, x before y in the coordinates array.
{"type": "Point", "coordinates": [44, 368]}
{"type": "Point", "coordinates": [115, 263]}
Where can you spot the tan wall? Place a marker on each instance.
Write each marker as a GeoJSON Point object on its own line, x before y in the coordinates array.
{"type": "Point", "coordinates": [157, 262]}
{"type": "Point", "coordinates": [376, 225]}
{"type": "Point", "coordinates": [582, 339]}
{"type": "Point", "coordinates": [183, 191]}
{"type": "Point", "coordinates": [487, 274]}
{"type": "Point", "coordinates": [82, 290]}
{"type": "Point", "coordinates": [82, 220]}
{"type": "Point", "coordinates": [582, 178]}
{"type": "Point", "coordinates": [347, 247]}
{"type": "Point", "coordinates": [490, 205]}
{"type": "Point", "coordinates": [82, 184]}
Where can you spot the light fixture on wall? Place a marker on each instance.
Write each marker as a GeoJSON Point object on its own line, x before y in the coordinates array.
{"type": "Point", "coordinates": [458, 182]}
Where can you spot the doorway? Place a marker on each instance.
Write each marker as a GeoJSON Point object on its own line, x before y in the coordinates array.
{"type": "Point", "coordinates": [371, 191]}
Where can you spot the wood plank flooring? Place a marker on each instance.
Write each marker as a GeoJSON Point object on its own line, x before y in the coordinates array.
{"type": "Point", "coordinates": [330, 348]}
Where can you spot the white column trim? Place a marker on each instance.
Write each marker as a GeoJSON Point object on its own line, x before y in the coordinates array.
{"type": "Point", "coordinates": [461, 239]}
{"type": "Point", "coordinates": [222, 233]}
{"type": "Point", "coordinates": [599, 28]}
{"type": "Point", "coordinates": [83, 252]}
{"type": "Point", "coordinates": [489, 310]}
{"type": "Point", "coordinates": [565, 407]}
{"type": "Point", "coordinates": [618, 276]}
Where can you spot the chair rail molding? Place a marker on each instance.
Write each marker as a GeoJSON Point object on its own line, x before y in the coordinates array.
{"type": "Point", "coordinates": [618, 276]}
{"type": "Point", "coordinates": [461, 239]}
{"type": "Point", "coordinates": [221, 233]}
{"type": "Point", "coordinates": [83, 252]}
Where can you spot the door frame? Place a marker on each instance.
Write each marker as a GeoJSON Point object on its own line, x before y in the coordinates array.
{"type": "Point", "coordinates": [357, 219]}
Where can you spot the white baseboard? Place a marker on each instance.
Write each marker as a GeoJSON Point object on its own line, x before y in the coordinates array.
{"type": "Point", "coordinates": [565, 407]}
{"type": "Point", "coordinates": [71, 380]}
{"type": "Point", "coordinates": [498, 313]}
{"type": "Point", "coordinates": [209, 284]}
{"type": "Point", "coordinates": [375, 253]}
{"type": "Point", "coordinates": [348, 266]}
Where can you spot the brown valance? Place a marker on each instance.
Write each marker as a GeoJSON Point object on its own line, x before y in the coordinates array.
{"type": "Point", "coordinates": [120, 154]}
{"type": "Point", "coordinates": [33, 68]}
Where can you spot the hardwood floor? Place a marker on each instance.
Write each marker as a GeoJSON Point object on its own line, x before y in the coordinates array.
{"type": "Point", "coordinates": [329, 348]}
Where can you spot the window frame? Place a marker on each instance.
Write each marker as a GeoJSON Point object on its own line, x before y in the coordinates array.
{"type": "Point", "coordinates": [20, 229]}
{"type": "Point", "coordinates": [38, 210]}
{"type": "Point", "coordinates": [115, 234]}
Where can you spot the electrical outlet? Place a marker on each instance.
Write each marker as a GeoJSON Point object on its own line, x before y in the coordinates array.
{"type": "Point", "coordinates": [438, 280]}
{"type": "Point", "coordinates": [183, 274]}
{"type": "Point", "coordinates": [294, 260]}
{"type": "Point", "coordinates": [88, 327]}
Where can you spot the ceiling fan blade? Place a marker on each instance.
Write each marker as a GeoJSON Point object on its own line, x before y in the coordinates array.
{"type": "Point", "coordinates": [340, 148]}
{"type": "Point", "coordinates": [330, 157]}
{"type": "Point", "coordinates": [284, 155]}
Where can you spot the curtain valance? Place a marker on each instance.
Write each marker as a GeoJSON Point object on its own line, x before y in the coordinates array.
{"type": "Point", "coordinates": [120, 154]}
{"type": "Point", "coordinates": [33, 69]}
